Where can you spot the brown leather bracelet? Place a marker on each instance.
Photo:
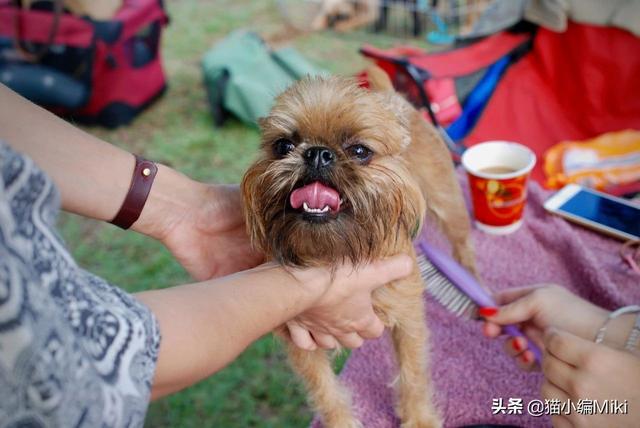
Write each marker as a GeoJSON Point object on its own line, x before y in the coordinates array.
{"type": "Point", "coordinates": [143, 175]}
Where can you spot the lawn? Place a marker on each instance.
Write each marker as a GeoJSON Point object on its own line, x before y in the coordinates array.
{"type": "Point", "coordinates": [257, 390]}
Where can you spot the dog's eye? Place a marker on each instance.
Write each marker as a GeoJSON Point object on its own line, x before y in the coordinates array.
{"type": "Point", "coordinates": [282, 147]}
{"type": "Point", "coordinates": [359, 152]}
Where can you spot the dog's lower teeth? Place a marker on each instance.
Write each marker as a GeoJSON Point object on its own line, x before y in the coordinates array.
{"type": "Point", "coordinates": [307, 209]}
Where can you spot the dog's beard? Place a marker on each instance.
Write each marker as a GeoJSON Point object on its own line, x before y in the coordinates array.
{"type": "Point", "coordinates": [370, 214]}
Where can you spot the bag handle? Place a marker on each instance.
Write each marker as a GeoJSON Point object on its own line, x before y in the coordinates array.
{"type": "Point", "coordinates": [26, 53]}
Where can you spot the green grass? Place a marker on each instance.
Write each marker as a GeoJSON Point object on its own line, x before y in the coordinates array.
{"type": "Point", "coordinates": [257, 390]}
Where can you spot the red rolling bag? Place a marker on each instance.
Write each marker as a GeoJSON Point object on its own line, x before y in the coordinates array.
{"type": "Point", "coordinates": [102, 72]}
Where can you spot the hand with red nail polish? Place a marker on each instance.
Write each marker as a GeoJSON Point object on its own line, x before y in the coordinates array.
{"type": "Point", "coordinates": [534, 309]}
{"type": "Point", "coordinates": [564, 326]}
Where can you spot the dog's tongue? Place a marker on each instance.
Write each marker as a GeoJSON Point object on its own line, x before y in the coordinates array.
{"type": "Point", "coordinates": [316, 195]}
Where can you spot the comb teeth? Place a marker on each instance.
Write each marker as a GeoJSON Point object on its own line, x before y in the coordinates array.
{"type": "Point", "coordinates": [444, 291]}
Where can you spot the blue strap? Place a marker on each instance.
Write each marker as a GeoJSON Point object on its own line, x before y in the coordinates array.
{"type": "Point", "coordinates": [477, 100]}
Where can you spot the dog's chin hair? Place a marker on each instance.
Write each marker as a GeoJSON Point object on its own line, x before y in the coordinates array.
{"type": "Point", "coordinates": [369, 226]}
{"type": "Point", "coordinates": [298, 243]}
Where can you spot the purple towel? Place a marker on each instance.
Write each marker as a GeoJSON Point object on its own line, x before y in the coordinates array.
{"type": "Point", "coordinates": [469, 371]}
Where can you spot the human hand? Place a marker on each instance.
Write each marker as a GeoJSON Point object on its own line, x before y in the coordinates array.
{"type": "Point", "coordinates": [536, 308]}
{"type": "Point", "coordinates": [201, 224]}
{"type": "Point", "coordinates": [344, 314]}
{"type": "Point", "coordinates": [209, 238]}
{"type": "Point", "coordinates": [577, 369]}
{"type": "Point", "coordinates": [217, 319]}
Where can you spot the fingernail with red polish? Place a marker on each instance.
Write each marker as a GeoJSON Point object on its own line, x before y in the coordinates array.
{"type": "Point", "coordinates": [525, 358]}
{"type": "Point", "coordinates": [515, 343]}
{"type": "Point", "coordinates": [487, 311]}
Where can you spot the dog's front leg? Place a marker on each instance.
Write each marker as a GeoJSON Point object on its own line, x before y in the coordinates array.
{"type": "Point", "coordinates": [410, 336]}
{"type": "Point", "coordinates": [329, 398]}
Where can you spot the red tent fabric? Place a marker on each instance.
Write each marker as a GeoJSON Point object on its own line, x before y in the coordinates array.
{"type": "Point", "coordinates": [572, 86]}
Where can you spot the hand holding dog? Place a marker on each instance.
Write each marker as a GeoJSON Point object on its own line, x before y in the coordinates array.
{"type": "Point", "coordinates": [344, 315]}
{"type": "Point", "coordinates": [248, 305]}
{"type": "Point", "coordinates": [207, 235]}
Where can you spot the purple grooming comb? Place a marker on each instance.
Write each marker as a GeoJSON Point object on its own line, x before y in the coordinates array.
{"type": "Point", "coordinates": [457, 289]}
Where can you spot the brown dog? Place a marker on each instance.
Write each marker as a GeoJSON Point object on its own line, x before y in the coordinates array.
{"type": "Point", "coordinates": [348, 174]}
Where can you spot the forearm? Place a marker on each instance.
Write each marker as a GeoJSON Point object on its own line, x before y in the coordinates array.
{"type": "Point", "coordinates": [204, 326]}
{"type": "Point", "coordinates": [93, 176]}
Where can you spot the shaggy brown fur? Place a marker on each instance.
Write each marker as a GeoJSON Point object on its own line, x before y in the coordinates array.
{"type": "Point", "coordinates": [385, 200]}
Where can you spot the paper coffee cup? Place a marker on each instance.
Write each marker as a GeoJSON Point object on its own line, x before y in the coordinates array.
{"type": "Point", "coordinates": [498, 172]}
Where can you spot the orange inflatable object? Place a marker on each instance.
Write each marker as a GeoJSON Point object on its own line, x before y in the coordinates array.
{"type": "Point", "coordinates": [610, 159]}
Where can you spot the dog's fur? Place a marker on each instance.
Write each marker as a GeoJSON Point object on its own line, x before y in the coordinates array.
{"type": "Point", "coordinates": [385, 201]}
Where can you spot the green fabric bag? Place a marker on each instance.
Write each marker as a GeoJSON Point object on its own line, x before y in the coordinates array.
{"type": "Point", "coordinates": [243, 75]}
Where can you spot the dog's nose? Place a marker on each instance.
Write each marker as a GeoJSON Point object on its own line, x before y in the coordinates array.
{"type": "Point", "coordinates": [319, 157]}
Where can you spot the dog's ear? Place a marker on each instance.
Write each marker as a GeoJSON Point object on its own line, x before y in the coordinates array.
{"type": "Point", "coordinates": [379, 79]}
{"type": "Point", "coordinates": [251, 208]}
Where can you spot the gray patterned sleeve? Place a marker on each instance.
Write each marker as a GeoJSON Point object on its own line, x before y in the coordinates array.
{"type": "Point", "coordinates": [75, 351]}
